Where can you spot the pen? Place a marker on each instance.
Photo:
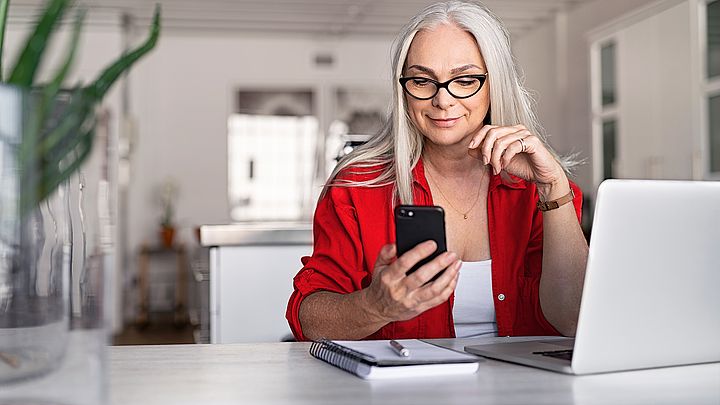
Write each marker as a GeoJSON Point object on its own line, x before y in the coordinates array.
{"type": "Point", "coordinates": [399, 349]}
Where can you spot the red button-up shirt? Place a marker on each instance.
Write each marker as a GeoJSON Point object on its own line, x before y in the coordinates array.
{"type": "Point", "coordinates": [351, 224]}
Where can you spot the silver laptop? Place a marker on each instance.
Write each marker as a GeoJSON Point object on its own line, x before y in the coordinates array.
{"type": "Point", "coordinates": [652, 285]}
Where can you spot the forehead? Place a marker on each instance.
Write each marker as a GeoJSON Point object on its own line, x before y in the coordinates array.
{"type": "Point", "coordinates": [444, 47]}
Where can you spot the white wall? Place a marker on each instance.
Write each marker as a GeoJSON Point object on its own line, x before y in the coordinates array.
{"type": "Point", "coordinates": [560, 51]}
{"type": "Point", "coordinates": [182, 98]}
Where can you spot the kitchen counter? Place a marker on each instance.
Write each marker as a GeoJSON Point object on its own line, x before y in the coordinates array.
{"type": "Point", "coordinates": [256, 233]}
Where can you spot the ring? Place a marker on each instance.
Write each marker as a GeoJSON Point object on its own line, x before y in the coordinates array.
{"type": "Point", "coordinates": [522, 145]}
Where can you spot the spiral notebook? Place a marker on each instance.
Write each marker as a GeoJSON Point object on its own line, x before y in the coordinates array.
{"type": "Point", "coordinates": [375, 359]}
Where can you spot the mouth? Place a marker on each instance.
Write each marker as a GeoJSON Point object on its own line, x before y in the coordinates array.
{"type": "Point", "coordinates": [444, 122]}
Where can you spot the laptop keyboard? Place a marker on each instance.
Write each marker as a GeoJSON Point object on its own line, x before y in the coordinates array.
{"type": "Point", "coordinates": [558, 354]}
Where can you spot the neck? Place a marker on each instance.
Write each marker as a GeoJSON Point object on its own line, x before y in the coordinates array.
{"type": "Point", "coordinates": [451, 161]}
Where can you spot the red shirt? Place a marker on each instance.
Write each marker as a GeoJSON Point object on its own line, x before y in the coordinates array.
{"type": "Point", "coordinates": [351, 224]}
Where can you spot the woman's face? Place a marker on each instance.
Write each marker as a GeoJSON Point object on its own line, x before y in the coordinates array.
{"type": "Point", "coordinates": [441, 54]}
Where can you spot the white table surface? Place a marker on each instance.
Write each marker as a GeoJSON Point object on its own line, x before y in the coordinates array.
{"type": "Point", "coordinates": [284, 373]}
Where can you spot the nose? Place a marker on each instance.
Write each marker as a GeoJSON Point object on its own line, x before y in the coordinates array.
{"type": "Point", "coordinates": [443, 100]}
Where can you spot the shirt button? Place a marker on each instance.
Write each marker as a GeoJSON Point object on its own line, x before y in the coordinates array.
{"type": "Point", "coordinates": [501, 297]}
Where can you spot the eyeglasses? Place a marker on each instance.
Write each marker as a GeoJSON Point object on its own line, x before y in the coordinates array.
{"type": "Point", "coordinates": [423, 88]}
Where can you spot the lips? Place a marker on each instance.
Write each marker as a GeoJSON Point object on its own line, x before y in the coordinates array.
{"type": "Point", "coordinates": [444, 122]}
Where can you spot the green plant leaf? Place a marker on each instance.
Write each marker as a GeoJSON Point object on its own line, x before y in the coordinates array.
{"type": "Point", "coordinates": [106, 79]}
{"type": "Point", "coordinates": [52, 89]}
{"type": "Point", "coordinates": [23, 74]}
{"type": "Point", "coordinates": [54, 176]}
{"type": "Point", "coordinates": [59, 137]}
{"type": "Point", "coordinates": [3, 22]}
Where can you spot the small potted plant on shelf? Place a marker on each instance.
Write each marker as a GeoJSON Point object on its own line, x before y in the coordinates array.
{"type": "Point", "coordinates": [168, 193]}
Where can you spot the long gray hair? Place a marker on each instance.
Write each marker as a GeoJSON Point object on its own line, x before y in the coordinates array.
{"type": "Point", "coordinates": [398, 146]}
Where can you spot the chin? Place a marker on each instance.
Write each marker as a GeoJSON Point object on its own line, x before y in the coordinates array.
{"type": "Point", "coordinates": [445, 137]}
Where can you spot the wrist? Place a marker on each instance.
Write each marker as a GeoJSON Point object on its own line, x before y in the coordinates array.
{"type": "Point", "coordinates": [555, 189]}
{"type": "Point", "coordinates": [370, 307]}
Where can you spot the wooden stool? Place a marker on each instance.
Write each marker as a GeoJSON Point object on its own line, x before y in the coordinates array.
{"type": "Point", "coordinates": [179, 308]}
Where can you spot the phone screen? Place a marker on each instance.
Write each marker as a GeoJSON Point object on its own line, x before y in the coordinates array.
{"type": "Point", "coordinates": [415, 224]}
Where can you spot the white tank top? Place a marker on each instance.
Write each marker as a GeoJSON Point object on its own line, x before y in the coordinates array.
{"type": "Point", "coordinates": [473, 308]}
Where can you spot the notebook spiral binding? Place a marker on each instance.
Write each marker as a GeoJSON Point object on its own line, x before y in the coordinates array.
{"type": "Point", "coordinates": [342, 357]}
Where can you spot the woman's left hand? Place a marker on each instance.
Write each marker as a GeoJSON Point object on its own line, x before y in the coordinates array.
{"type": "Point", "coordinates": [517, 151]}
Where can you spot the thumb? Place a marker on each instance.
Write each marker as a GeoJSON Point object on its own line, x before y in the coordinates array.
{"type": "Point", "coordinates": [386, 255]}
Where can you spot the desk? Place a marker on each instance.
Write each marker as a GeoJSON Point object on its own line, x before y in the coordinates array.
{"type": "Point", "coordinates": [284, 373]}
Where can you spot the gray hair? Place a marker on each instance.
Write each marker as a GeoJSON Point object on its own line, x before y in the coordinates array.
{"type": "Point", "coordinates": [396, 149]}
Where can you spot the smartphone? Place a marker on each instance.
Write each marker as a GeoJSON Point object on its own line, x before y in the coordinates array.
{"type": "Point", "coordinates": [415, 224]}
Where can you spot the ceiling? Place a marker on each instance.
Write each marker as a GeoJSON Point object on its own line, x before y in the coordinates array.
{"type": "Point", "coordinates": [295, 17]}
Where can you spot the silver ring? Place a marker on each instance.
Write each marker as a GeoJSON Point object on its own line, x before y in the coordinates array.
{"type": "Point", "coordinates": [522, 144]}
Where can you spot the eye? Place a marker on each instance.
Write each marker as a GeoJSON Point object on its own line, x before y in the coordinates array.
{"type": "Point", "coordinates": [419, 82]}
{"type": "Point", "coordinates": [466, 82]}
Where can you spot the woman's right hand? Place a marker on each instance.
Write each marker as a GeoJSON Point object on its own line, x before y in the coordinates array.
{"type": "Point", "coordinates": [393, 296]}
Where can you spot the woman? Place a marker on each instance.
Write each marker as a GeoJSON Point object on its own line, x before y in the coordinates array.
{"type": "Point", "coordinates": [461, 135]}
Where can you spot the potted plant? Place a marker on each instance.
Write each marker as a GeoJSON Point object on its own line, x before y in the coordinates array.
{"type": "Point", "coordinates": [168, 192]}
{"type": "Point", "coordinates": [52, 278]}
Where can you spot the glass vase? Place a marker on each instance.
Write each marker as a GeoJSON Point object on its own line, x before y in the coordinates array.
{"type": "Point", "coordinates": [54, 259]}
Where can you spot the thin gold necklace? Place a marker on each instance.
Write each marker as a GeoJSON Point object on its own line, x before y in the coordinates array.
{"type": "Point", "coordinates": [477, 198]}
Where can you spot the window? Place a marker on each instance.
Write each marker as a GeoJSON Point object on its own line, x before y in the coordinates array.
{"type": "Point", "coordinates": [271, 150]}
{"type": "Point", "coordinates": [609, 130]}
{"type": "Point", "coordinates": [605, 111]}
{"type": "Point", "coordinates": [607, 73]}
{"type": "Point", "coordinates": [712, 88]}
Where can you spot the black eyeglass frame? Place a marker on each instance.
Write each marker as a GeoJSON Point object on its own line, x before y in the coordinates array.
{"type": "Point", "coordinates": [444, 85]}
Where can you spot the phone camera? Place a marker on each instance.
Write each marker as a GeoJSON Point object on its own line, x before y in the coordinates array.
{"type": "Point", "coordinates": [410, 213]}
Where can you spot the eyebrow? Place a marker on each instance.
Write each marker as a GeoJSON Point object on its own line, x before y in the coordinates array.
{"type": "Point", "coordinates": [453, 71]}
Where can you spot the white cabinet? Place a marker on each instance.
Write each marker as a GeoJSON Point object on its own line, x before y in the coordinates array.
{"type": "Point", "coordinates": [250, 284]}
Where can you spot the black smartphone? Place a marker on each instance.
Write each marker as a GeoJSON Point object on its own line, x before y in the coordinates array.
{"type": "Point", "coordinates": [415, 224]}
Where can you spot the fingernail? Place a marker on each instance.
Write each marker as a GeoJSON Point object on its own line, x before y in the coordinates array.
{"type": "Point", "coordinates": [486, 160]}
{"type": "Point", "coordinates": [496, 171]}
{"type": "Point", "coordinates": [472, 144]}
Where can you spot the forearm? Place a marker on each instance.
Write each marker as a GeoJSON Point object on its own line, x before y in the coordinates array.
{"type": "Point", "coordinates": [331, 315]}
{"type": "Point", "coordinates": [565, 253]}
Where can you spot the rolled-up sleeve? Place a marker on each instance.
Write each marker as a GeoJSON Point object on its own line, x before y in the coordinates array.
{"type": "Point", "coordinates": [337, 262]}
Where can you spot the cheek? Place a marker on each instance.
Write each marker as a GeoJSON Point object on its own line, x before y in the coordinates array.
{"type": "Point", "coordinates": [479, 106]}
{"type": "Point", "coordinates": [414, 108]}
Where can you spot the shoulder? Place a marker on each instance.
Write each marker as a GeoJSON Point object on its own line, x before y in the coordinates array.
{"type": "Point", "coordinates": [358, 186]}
{"type": "Point", "coordinates": [360, 173]}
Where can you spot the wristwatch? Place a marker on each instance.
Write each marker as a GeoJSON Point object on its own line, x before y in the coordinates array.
{"type": "Point", "coordinates": [554, 204]}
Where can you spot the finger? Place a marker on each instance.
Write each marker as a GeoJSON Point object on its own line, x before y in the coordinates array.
{"type": "Point", "coordinates": [443, 296]}
{"type": "Point", "coordinates": [406, 261]}
{"type": "Point", "coordinates": [430, 290]}
{"type": "Point", "coordinates": [502, 144]}
{"type": "Point", "coordinates": [510, 153]}
{"type": "Point", "coordinates": [386, 255]}
{"type": "Point", "coordinates": [438, 291]}
{"type": "Point", "coordinates": [477, 139]}
{"type": "Point", "coordinates": [429, 270]}
{"type": "Point", "coordinates": [488, 142]}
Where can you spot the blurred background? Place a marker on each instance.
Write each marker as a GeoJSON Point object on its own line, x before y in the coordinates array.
{"type": "Point", "coordinates": [222, 137]}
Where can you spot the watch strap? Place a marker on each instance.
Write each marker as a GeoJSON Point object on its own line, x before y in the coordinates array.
{"type": "Point", "coordinates": [557, 203]}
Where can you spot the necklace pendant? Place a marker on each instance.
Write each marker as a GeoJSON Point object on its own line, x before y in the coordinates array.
{"type": "Point", "coordinates": [464, 216]}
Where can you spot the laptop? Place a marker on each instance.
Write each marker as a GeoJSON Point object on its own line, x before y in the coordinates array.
{"type": "Point", "coordinates": [652, 285]}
